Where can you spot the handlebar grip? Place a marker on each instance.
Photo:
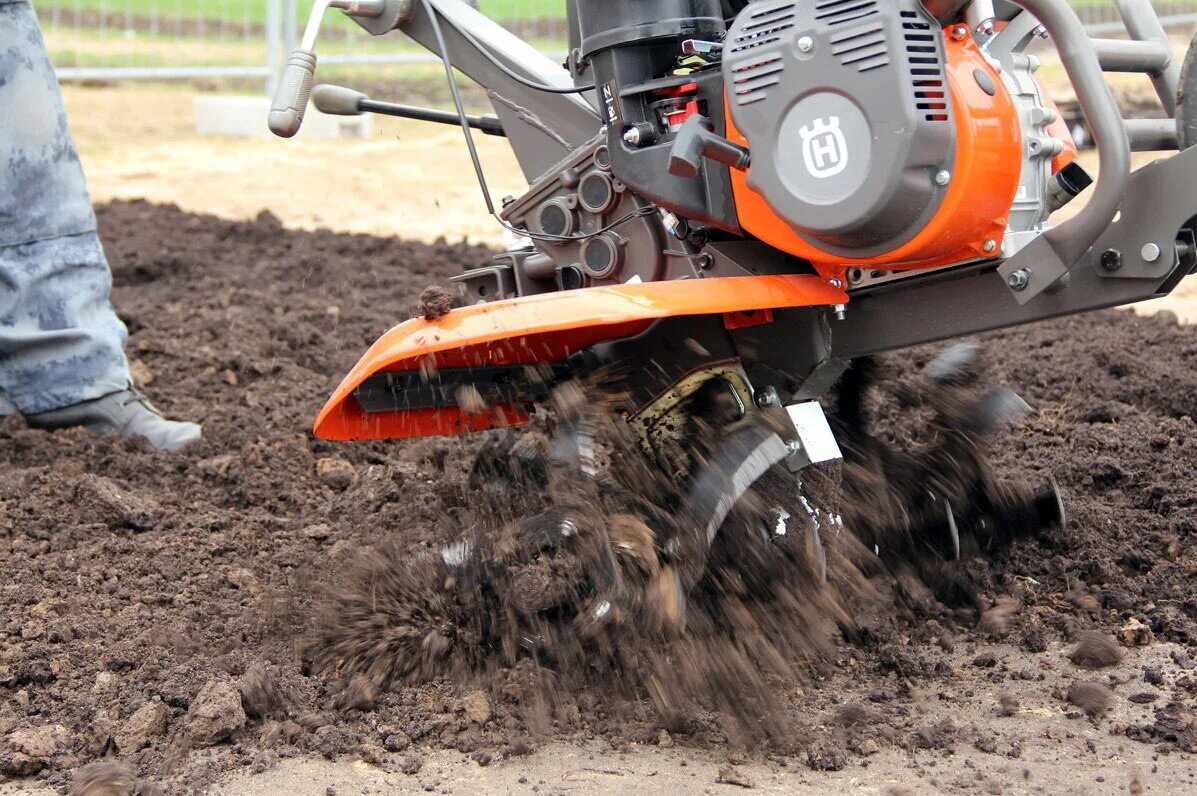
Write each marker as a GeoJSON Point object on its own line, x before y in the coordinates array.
{"type": "Point", "coordinates": [291, 97]}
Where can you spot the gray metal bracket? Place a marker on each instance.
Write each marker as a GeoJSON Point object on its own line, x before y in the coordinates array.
{"type": "Point", "coordinates": [1159, 205]}
{"type": "Point", "coordinates": [1140, 243]}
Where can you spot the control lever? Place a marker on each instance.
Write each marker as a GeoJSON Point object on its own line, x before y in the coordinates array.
{"type": "Point", "coordinates": [695, 141]}
{"type": "Point", "coordinates": [341, 101]}
{"type": "Point", "coordinates": [295, 86]}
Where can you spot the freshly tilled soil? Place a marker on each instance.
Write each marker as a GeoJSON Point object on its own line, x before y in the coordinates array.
{"type": "Point", "coordinates": [158, 609]}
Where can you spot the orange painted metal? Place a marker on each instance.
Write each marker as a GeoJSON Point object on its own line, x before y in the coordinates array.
{"type": "Point", "coordinates": [747, 319]}
{"type": "Point", "coordinates": [975, 209]}
{"type": "Point", "coordinates": [546, 328]}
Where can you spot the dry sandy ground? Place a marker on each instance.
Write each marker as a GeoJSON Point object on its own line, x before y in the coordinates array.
{"type": "Point", "coordinates": [1042, 749]}
{"type": "Point", "coordinates": [1057, 754]}
{"type": "Point", "coordinates": [410, 179]}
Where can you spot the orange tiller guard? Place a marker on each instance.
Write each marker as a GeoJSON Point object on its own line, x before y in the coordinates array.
{"type": "Point", "coordinates": [545, 328]}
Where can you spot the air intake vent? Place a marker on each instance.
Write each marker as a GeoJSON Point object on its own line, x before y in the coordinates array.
{"type": "Point", "coordinates": [864, 47]}
{"type": "Point", "coordinates": [753, 78]}
{"type": "Point", "coordinates": [926, 67]}
{"type": "Point", "coordinates": [763, 28]}
{"type": "Point", "coordinates": [840, 12]}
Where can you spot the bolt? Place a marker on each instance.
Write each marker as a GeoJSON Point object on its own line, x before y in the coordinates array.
{"type": "Point", "coordinates": [806, 44]}
{"type": "Point", "coordinates": [960, 33]}
{"type": "Point", "coordinates": [1151, 252]}
{"type": "Point", "coordinates": [1040, 31]}
{"type": "Point", "coordinates": [793, 447]}
{"type": "Point", "coordinates": [836, 282]}
{"type": "Point", "coordinates": [768, 397]}
{"type": "Point", "coordinates": [840, 312]}
{"type": "Point", "coordinates": [986, 28]}
{"type": "Point", "coordinates": [989, 246]}
{"type": "Point", "coordinates": [1018, 280]}
{"type": "Point", "coordinates": [631, 136]}
{"type": "Point", "coordinates": [943, 177]}
{"type": "Point", "coordinates": [1111, 260]}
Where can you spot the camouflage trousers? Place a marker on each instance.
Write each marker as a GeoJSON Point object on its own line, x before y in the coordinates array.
{"type": "Point", "coordinates": [60, 340]}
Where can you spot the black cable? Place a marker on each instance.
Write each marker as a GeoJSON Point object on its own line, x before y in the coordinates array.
{"type": "Point", "coordinates": [464, 120]}
{"type": "Point", "coordinates": [461, 114]}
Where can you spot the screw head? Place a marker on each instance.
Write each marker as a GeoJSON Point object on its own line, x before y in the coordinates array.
{"type": "Point", "coordinates": [768, 397]}
{"type": "Point", "coordinates": [836, 282]}
{"type": "Point", "coordinates": [1151, 252]}
{"type": "Point", "coordinates": [1018, 280]}
{"type": "Point", "coordinates": [989, 246]}
{"type": "Point", "coordinates": [632, 136]}
{"type": "Point", "coordinates": [793, 447]}
{"type": "Point", "coordinates": [1111, 260]}
{"type": "Point", "coordinates": [960, 33]}
{"type": "Point", "coordinates": [943, 177]}
{"type": "Point", "coordinates": [806, 44]}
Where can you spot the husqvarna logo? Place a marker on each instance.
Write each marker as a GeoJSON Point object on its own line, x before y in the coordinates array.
{"type": "Point", "coordinates": [824, 148]}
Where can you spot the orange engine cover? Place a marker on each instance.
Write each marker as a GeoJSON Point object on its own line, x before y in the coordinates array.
{"type": "Point", "coordinates": [971, 221]}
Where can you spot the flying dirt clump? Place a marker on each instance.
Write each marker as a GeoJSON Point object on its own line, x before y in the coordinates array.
{"type": "Point", "coordinates": [434, 303]}
{"type": "Point", "coordinates": [576, 554]}
{"type": "Point", "coordinates": [1095, 650]}
{"type": "Point", "coordinates": [563, 561]}
{"type": "Point", "coordinates": [1093, 698]}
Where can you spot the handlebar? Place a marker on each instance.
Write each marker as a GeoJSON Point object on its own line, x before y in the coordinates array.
{"type": "Point", "coordinates": [295, 86]}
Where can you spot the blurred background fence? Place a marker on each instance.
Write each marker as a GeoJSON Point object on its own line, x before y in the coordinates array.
{"type": "Point", "coordinates": [232, 43]}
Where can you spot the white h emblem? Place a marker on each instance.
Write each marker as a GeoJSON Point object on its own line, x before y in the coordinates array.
{"type": "Point", "coordinates": [824, 147]}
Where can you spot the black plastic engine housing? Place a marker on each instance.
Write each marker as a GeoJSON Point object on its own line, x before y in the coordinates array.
{"type": "Point", "coordinates": [846, 108]}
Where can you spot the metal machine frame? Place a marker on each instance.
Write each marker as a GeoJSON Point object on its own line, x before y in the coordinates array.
{"type": "Point", "coordinates": [1133, 240]}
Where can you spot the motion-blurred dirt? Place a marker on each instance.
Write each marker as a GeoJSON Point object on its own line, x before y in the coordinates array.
{"type": "Point", "coordinates": [156, 607]}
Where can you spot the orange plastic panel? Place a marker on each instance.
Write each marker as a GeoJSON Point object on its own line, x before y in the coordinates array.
{"type": "Point", "coordinates": [540, 329]}
{"type": "Point", "coordinates": [976, 206]}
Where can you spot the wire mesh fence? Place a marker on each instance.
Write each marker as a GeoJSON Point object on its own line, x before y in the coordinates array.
{"type": "Point", "coordinates": [198, 39]}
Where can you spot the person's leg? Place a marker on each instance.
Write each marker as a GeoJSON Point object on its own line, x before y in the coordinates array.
{"type": "Point", "coordinates": [60, 341]}
{"type": "Point", "coordinates": [62, 358]}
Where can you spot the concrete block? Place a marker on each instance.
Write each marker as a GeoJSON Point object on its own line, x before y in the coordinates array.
{"type": "Point", "coordinates": [245, 117]}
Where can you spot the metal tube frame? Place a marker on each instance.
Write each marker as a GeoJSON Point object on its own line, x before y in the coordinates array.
{"type": "Point", "coordinates": [1144, 25]}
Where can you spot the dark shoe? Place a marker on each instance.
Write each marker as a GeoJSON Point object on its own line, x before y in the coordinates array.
{"type": "Point", "coordinates": [127, 413]}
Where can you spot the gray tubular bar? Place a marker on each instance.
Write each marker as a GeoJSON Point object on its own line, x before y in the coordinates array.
{"type": "Point", "coordinates": [1152, 135]}
{"type": "Point", "coordinates": [1122, 55]}
{"type": "Point", "coordinates": [1073, 238]}
{"type": "Point", "coordinates": [1143, 24]}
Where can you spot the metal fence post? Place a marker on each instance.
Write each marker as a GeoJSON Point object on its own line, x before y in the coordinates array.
{"type": "Point", "coordinates": [290, 25]}
{"type": "Point", "coordinates": [276, 52]}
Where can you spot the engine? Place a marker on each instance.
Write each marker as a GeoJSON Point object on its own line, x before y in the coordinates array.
{"type": "Point", "coordinates": [865, 137]}
{"type": "Point", "coordinates": [876, 137]}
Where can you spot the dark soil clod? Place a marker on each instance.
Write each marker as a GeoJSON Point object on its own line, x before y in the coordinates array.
{"type": "Point", "coordinates": [1095, 650]}
{"type": "Point", "coordinates": [1093, 698]}
{"type": "Point", "coordinates": [435, 303]}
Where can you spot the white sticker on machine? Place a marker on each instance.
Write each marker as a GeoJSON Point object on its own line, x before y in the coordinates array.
{"type": "Point", "coordinates": [814, 432]}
